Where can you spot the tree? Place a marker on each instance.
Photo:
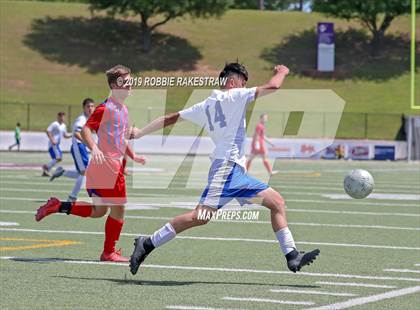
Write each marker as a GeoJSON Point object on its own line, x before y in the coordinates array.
{"type": "Point", "coordinates": [375, 15]}
{"type": "Point", "coordinates": [163, 10]}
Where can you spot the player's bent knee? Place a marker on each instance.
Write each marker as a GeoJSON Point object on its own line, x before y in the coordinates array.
{"type": "Point", "coordinates": [82, 172]}
{"type": "Point", "coordinates": [99, 211]}
{"type": "Point", "coordinates": [117, 212]}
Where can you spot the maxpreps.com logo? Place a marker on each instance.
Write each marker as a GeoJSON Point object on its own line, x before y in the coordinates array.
{"type": "Point", "coordinates": [228, 215]}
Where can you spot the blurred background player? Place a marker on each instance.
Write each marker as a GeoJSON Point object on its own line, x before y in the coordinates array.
{"type": "Point", "coordinates": [223, 116]}
{"type": "Point", "coordinates": [105, 181]}
{"type": "Point", "coordinates": [258, 145]}
{"type": "Point", "coordinates": [17, 138]}
{"type": "Point", "coordinates": [78, 151]}
{"type": "Point", "coordinates": [54, 132]}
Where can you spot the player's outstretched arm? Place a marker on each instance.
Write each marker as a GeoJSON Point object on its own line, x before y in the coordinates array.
{"type": "Point", "coordinates": [130, 153]}
{"type": "Point", "coordinates": [275, 82]}
{"type": "Point", "coordinates": [159, 123]}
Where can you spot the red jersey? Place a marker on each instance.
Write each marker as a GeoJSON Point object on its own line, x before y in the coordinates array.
{"type": "Point", "coordinates": [258, 139]}
{"type": "Point", "coordinates": [106, 180]}
{"type": "Point", "coordinates": [110, 121]}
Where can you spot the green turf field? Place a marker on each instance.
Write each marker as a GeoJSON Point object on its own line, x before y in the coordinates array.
{"type": "Point", "coordinates": [55, 54]}
{"type": "Point", "coordinates": [228, 265]}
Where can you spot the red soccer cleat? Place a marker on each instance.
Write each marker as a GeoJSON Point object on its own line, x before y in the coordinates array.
{"type": "Point", "coordinates": [114, 257]}
{"type": "Point", "coordinates": [52, 206]}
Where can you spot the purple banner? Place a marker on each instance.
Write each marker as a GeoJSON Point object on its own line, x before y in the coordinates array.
{"type": "Point", "coordinates": [325, 33]}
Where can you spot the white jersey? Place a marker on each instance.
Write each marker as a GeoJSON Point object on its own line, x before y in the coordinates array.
{"type": "Point", "coordinates": [223, 115]}
{"type": "Point", "coordinates": [78, 124]}
{"type": "Point", "coordinates": [57, 130]}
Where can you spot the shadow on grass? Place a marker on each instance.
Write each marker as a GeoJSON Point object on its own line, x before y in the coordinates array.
{"type": "Point", "coordinates": [99, 43]}
{"type": "Point", "coordinates": [181, 283]}
{"type": "Point", "coordinates": [352, 56]}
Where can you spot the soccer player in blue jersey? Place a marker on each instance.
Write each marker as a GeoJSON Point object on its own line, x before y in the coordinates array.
{"type": "Point", "coordinates": [55, 131]}
{"type": "Point", "coordinates": [222, 115]}
{"type": "Point", "coordinates": [78, 151]}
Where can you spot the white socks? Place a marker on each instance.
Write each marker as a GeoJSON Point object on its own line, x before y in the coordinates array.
{"type": "Point", "coordinates": [77, 186]}
{"type": "Point", "coordinates": [51, 164]}
{"type": "Point", "coordinates": [72, 174]}
{"type": "Point", "coordinates": [285, 238]}
{"type": "Point", "coordinates": [163, 235]}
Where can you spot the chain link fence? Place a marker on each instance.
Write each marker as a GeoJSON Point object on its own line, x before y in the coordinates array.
{"type": "Point", "coordinates": [388, 126]}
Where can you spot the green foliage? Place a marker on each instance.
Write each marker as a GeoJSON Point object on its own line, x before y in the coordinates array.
{"type": "Point", "coordinates": [168, 8]}
{"type": "Point", "coordinates": [376, 16]}
{"type": "Point", "coordinates": [364, 10]}
{"type": "Point", "coordinates": [165, 9]}
{"type": "Point", "coordinates": [268, 4]}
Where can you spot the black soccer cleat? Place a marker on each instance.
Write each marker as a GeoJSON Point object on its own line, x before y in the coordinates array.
{"type": "Point", "coordinates": [58, 173]}
{"type": "Point", "coordinates": [138, 256]}
{"type": "Point", "coordinates": [296, 260]}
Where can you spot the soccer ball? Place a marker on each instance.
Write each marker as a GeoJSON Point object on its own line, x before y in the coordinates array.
{"type": "Point", "coordinates": [358, 183]}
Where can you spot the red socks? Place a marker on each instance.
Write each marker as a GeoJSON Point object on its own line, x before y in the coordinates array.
{"type": "Point", "coordinates": [81, 208]}
{"type": "Point", "coordinates": [267, 166]}
{"type": "Point", "coordinates": [113, 229]}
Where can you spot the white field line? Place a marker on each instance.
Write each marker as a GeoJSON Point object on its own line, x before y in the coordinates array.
{"type": "Point", "coordinates": [377, 196]}
{"type": "Point", "coordinates": [364, 300]}
{"type": "Point", "coordinates": [182, 307]}
{"type": "Point", "coordinates": [191, 205]}
{"type": "Point", "coordinates": [347, 212]}
{"type": "Point", "coordinates": [299, 183]}
{"type": "Point", "coordinates": [385, 185]}
{"type": "Point", "coordinates": [9, 224]}
{"type": "Point", "coordinates": [351, 245]}
{"type": "Point", "coordinates": [417, 265]}
{"type": "Point", "coordinates": [338, 202]}
{"type": "Point", "coordinates": [291, 223]}
{"type": "Point", "coordinates": [402, 270]}
{"type": "Point", "coordinates": [220, 269]}
{"type": "Point", "coordinates": [395, 196]}
{"type": "Point", "coordinates": [275, 301]}
{"type": "Point", "coordinates": [354, 203]}
{"type": "Point", "coordinates": [141, 217]}
{"type": "Point", "coordinates": [309, 292]}
{"type": "Point", "coordinates": [355, 284]}
{"type": "Point", "coordinates": [354, 212]}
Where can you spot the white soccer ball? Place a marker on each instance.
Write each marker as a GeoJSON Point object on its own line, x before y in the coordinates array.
{"type": "Point", "coordinates": [358, 183]}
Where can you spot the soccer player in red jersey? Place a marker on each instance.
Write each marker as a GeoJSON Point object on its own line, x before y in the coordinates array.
{"type": "Point", "coordinates": [258, 144]}
{"type": "Point", "coordinates": [105, 180]}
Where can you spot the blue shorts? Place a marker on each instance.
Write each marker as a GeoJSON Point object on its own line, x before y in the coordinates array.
{"type": "Point", "coordinates": [55, 151]}
{"type": "Point", "coordinates": [226, 181]}
{"type": "Point", "coordinates": [80, 156]}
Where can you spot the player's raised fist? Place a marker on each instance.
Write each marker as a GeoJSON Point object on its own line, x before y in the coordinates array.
{"type": "Point", "coordinates": [281, 69]}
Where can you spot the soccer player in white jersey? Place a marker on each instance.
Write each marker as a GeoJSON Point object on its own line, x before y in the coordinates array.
{"type": "Point", "coordinates": [54, 132]}
{"type": "Point", "coordinates": [78, 151]}
{"type": "Point", "coordinates": [222, 115]}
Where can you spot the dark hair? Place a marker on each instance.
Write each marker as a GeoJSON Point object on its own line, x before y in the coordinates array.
{"type": "Point", "coordinates": [61, 113]}
{"type": "Point", "coordinates": [18, 124]}
{"type": "Point", "coordinates": [115, 72]}
{"type": "Point", "coordinates": [236, 68]}
{"type": "Point", "coordinates": [87, 101]}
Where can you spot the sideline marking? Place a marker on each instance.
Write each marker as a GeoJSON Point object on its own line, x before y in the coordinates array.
{"type": "Point", "coordinates": [275, 301]}
{"type": "Point", "coordinates": [309, 292]}
{"type": "Point", "coordinates": [364, 300]}
{"type": "Point", "coordinates": [355, 284]}
{"type": "Point", "coordinates": [352, 245]}
{"type": "Point", "coordinates": [42, 243]}
{"type": "Point", "coordinates": [402, 270]}
{"type": "Point", "coordinates": [219, 269]}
